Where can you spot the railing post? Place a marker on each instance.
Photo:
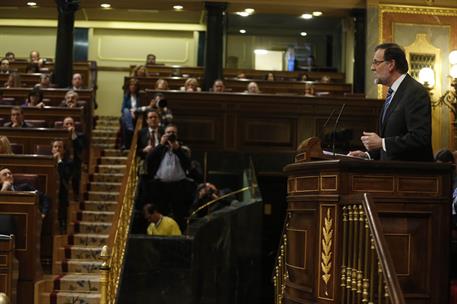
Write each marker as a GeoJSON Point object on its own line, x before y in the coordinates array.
{"type": "Point", "coordinates": [104, 272]}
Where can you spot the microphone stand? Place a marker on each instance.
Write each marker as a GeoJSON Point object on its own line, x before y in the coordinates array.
{"type": "Point", "coordinates": [334, 128]}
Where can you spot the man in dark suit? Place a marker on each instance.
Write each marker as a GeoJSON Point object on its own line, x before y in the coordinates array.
{"type": "Point", "coordinates": [7, 184]}
{"type": "Point", "coordinates": [405, 129]}
{"type": "Point", "coordinates": [168, 186]}
{"type": "Point", "coordinates": [78, 143]}
{"type": "Point", "coordinates": [17, 119]}
{"type": "Point", "coordinates": [150, 136]}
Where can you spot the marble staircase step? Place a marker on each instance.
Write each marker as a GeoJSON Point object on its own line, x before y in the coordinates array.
{"type": "Point", "coordinates": [95, 216]}
{"type": "Point", "coordinates": [108, 177]}
{"type": "Point", "coordinates": [68, 297]}
{"type": "Point", "coordinates": [113, 160]}
{"type": "Point", "coordinates": [90, 227]}
{"type": "Point", "coordinates": [115, 152]}
{"type": "Point", "coordinates": [117, 169]}
{"type": "Point", "coordinates": [105, 187]}
{"type": "Point", "coordinates": [98, 206]}
{"type": "Point", "coordinates": [88, 239]}
{"type": "Point", "coordinates": [103, 196]}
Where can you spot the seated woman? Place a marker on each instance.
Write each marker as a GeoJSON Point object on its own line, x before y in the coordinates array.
{"type": "Point", "coordinates": [161, 84]}
{"type": "Point", "coordinates": [13, 81]}
{"type": "Point", "coordinates": [191, 85]}
{"type": "Point", "coordinates": [270, 76]}
{"type": "Point", "coordinates": [130, 104]}
{"type": "Point", "coordinates": [252, 88]}
{"type": "Point", "coordinates": [139, 71]}
{"type": "Point", "coordinates": [5, 146]}
{"type": "Point", "coordinates": [71, 100]}
{"type": "Point", "coordinates": [34, 98]}
{"type": "Point", "coordinates": [309, 90]}
{"type": "Point", "coordinates": [45, 81]}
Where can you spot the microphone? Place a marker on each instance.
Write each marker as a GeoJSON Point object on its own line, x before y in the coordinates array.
{"type": "Point", "coordinates": [334, 128]}
{"type": "Point", "coordinates": [326, 123]}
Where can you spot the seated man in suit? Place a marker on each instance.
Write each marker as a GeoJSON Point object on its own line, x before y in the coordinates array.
{"type": "Point", "coordinates": [150, 136]}
{"type": "Point", "coordinates": [7, 184]}
{"type": "Point", "coordinates": [17, 119]}
{"type": "Point", "coordinates": [77, 82]}
{"type": "Point", "coordinates": [168, 186]}
{"type": "Point", "coordinates": [71, 100]}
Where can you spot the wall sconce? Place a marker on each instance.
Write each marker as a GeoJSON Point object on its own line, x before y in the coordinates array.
{"type": "Point", "coordinates": [427, 78]}
{"type": "Point", "coordinates": [449, 98]}
{"type": "Point", "coordinates": [453, 69]}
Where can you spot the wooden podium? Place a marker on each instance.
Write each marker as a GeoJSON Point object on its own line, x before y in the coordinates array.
{"type": "Point", "coordinates": [412, 201]}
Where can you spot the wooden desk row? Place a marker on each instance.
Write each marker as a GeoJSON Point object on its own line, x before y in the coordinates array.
{"type": "Point", "coordinates": [254, 123]}
{"type": "Point", "coordinates": [55, 96]}
{"type": "Point", "coordinates": [269, 87]}
{"type": "Point", "coordinates": [181, 71]}
{"type": "Point", "coordinates": [23, 206]}
{"type": "Point", "coordinates": [88, 70]}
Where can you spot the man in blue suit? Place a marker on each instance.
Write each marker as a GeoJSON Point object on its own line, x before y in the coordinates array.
{"type": "Point", "coordinates": [405, 129]}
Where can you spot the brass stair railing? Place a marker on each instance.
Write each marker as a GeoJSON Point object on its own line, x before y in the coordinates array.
{"type": "Point", "coordinates": [280, 274]}
{"type": "Point", "coordinates": [113, 254]}
{"type": "Point", "coordinates": [367, 270]}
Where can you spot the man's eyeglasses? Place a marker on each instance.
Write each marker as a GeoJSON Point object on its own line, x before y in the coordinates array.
{"type": "Point", "coordinates": [377, 62]}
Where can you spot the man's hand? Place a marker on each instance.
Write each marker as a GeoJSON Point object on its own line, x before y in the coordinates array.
{"type": "Point", "coordinates": [371, 141]}
{"type": "Point", "coordinates": [147, 149]}
{"type": "Point", "coordinates": [174, 144]}
{"type": "Point", "coordinates": [57, 156]}
{"type": "Point", "coordinates": [6, 186]}
{"type": "Point", "coordinates": [15, 125]}
{"type": "Point", "coordinates": [164, 139]}
{"type": "Point", "coordinates": [358, 153]}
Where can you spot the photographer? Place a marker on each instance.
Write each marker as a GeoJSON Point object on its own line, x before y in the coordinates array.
{"type": "Point", "coordinates": [159, 104]}
{"type": "Point", "coordinates": [168, 185]}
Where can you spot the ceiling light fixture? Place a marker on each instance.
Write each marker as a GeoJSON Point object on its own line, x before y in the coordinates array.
{"type": "Point", "coordinates": [105, 5]}
{"type": "Point", "coordinates": [260, 52]}
{"type": "Point", "coordinates": [306, 16]}
{"type": "Point", "coordinates": [242, 31]}
{"type": "Point", "coordinates": [317, 13]}
{"type": "Point", "coordinates": [303, 34]}
{"type": "Point", "coordinates": [31, 4]}
{"type": "Point", "coordinates": [250, 11]}
{"type": "Point", "coordinates": [178, 7]}
{"type": "Point", "coordinates": [242, 14]}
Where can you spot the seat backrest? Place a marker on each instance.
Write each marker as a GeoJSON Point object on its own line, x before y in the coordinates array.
{"type": "Point", "coordinates": [22, 178]}
{"type": "Point", "coordinates": [43, 149]}
{"type": "Point", "coordinates": [37, 123]}
{"type": "Point", "coordinates": [17, 148]}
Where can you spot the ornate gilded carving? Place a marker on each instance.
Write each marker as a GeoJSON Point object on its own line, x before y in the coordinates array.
{"type": "Point", "coordinates": [327, 242]}
{"type": "Point", "coordinates": [418, 10]}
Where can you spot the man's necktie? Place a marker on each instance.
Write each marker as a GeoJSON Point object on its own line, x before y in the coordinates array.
{"type": "Point", "coordinates": [387, 103]}
{"type": "Point", "coordinates": [152, 138]}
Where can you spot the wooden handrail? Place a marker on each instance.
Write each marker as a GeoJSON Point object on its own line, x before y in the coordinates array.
{"type": "Point", "coordinates": [393, 286]}
{"type": "Point", "coordinates": [113, 261]}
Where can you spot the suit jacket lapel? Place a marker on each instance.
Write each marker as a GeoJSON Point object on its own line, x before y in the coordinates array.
{"type": "Point", "coordinates": [395, 101]}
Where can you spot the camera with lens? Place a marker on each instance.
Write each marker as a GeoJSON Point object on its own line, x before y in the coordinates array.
{"type": "Point", "coordinates": [162, 103]}
{"type": "Point", "coordinates": [172, 137]}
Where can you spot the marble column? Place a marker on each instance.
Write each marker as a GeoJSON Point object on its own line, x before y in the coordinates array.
{"type": "Point", "coordinates": [359, 50]}
{"type": "Point", "coordinates": [63, 67]}
{"type": "Point", "coordinates": [215, 27]}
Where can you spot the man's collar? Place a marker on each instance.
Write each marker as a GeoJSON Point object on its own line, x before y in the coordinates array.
{"type": "Point", "coordinates": [397, 82]}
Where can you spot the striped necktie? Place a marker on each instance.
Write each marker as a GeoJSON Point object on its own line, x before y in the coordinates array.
{"type": "Point", "coordinates": [387, 103]}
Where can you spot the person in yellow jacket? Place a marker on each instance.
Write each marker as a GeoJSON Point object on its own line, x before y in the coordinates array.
{"type": "Point", "coordinates": [158, 223]}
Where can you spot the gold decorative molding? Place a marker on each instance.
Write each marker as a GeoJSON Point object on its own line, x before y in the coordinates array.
{"type": "Point", "coordinates": [326, 255]}
{"type": "Point", "coordinates": [422, 46]}
{"type": "Point", "coordinates": [417, 10]}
